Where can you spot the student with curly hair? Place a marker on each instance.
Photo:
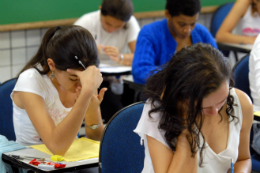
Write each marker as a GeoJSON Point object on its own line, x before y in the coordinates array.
{"type": "Point", "coordinates": [194, 120]}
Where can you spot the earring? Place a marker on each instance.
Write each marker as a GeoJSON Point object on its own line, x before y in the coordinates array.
{"type": "Point", "coordinates": [52, 75]}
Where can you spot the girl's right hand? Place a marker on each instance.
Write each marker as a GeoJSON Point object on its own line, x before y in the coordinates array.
{"type": "Point", "coordinates": [91, 78]}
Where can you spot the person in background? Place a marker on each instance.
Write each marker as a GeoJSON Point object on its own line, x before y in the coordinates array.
{"type": "Point", "coordinates": [254, 84]}
{"type": "Point", "coordinates": [114, 28]}
{"type": "Point", "coordinates": [254, 74]}
{"type": "Point", "coordinates": [57, 90]}
{"type": "Point", "coordinates": [194, 120]}
{"type": "Point", "coordinates": [242, 24]}
{"type": "Point", "coordinates": [159, 41]}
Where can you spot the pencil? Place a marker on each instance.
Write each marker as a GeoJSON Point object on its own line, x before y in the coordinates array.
{"type": "Point", "coordinates": [232, 166]}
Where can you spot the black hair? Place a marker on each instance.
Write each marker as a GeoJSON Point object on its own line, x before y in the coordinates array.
{"type": "Point", "coordinates": [119, 9]}
{"type": "Point", "coordinates": [191, 75]}
{"type": "Point", "coordinates": [184, 7]}
{"type": "Point", "coordinates": [62, 44]}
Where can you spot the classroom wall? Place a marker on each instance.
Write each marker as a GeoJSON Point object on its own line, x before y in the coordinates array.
{"type": "Point", "coordinates": [17, 47]}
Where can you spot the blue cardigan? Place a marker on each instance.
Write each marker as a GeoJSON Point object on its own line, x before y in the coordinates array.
{"type": "Point", "coordinates": [155, 46]}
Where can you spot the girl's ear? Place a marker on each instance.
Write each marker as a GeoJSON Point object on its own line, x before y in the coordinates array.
{"type": "Point", "coordinates": [167, 14]}
{"type": "Point", "coordinates": [100, 7]}
{"type": "Point", "coordinates": [51, 64]}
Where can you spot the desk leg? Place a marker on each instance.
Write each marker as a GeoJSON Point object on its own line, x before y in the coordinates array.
{"type": "Point", "coordinates": [15, 169]}
{"type": "Point", "coordinates": [236, 56]}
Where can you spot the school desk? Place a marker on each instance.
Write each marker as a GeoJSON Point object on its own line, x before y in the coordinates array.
{"type": "Point", "coordinates": [70, 166]}
{"type": "Point", "coordinates": [135, 86]}
{"type": "Point", "coordinates": [244, 48]}
{"type": "Point", "coordinates": [114, 70]}
{"type": "Point", "coordinates": [257, 118]}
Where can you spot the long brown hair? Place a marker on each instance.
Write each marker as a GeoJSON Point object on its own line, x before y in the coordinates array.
{"type": "Point", "coordinates": [191, 74]}
{"type": "Point", "coordinates": [62, 44]}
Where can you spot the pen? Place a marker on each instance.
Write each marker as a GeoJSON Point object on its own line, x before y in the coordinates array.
{"type": "Point", "coordinates": [232, 166]}
{"type": "Point", "coordinates": [80, 62]}
{"type": "Point", "coordinates": [27, 157]}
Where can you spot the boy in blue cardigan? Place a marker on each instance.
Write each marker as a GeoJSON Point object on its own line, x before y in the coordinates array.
{"type": "Point", "coordinates": [159, 41]}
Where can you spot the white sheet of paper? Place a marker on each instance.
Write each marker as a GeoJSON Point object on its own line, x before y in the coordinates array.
{"type": "Point", "coordinates": [107, 68]}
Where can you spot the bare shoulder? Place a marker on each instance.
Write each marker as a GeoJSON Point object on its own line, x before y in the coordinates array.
{"type": "Point", "coordinates": [246, 106]}
{"type": "Point", "coordinates": [244, 99]}
{"type": "Point", "coordinates": [241, 6]}
{"type": "Point", "coordinates": [244, 2]}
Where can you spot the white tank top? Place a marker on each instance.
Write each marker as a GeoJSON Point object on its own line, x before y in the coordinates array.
{"type": "Point", "coordinates": [33, 82]}
{"type": "Point", "coordinates": [249, 25]}
{"type": "Point", "coordinates": [212, 162]}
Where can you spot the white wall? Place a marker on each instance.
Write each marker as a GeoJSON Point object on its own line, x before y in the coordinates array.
{"type": "Point", "coordinates": [18, 47]}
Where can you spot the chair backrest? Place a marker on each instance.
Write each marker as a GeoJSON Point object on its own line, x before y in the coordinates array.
{"type": "Point", "coordinates": [240, 75]}
{"type": "Point", "coordinates": [218, 17]}
{"type": "Point", "coordinates": [120, 148]}
{"type": "Point", "coordinates": [6, 109]}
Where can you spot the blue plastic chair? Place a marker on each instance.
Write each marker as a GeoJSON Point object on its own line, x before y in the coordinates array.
{"type": "Point", "coordinates": [120, 148]}
{"type": "Point", "coordinates": [6, 109]}
{"type": "Point", "coordinates": [240, 75]}
{"type": "Point", "coordinates": [255, 162]}
{"type": "Point", "coordinates": [218, 17]}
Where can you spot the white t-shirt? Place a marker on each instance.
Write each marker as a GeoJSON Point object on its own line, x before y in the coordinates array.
{"type": "Point", "coordinates": [254, 74]}
{"type": "Point", "coordinates": [212, 162]}
{"type": "Point", "coordinates": [33, 82]}
{"type": "Point", "coordinates": [248, 25]}
{"type": "Point", "coordinates": [120, 38]}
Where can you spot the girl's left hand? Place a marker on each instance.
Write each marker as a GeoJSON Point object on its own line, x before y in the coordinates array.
{"type": "Point", "coordinates": [113, 53]}
{"type": "Point", "coordinates": [96, 100]}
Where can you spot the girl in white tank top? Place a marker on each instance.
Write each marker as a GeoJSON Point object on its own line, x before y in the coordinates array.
{"type": "Point", "coordinates": [242, 24]}
{"type": "Point", "coordinates": [194, 121]}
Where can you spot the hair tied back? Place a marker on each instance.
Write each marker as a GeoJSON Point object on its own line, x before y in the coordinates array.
{"type": "Point", "coordinates": [57, 28]}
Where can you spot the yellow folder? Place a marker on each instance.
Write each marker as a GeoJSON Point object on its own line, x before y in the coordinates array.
{"type": "Point", "coordinates": [80, 149]}
{"type": "Point", "coordinates": [257, 113]}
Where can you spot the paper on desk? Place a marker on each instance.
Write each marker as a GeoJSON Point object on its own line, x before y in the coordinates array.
{"type": "Point", "coordinates": [257, 113]}
{"type": "Point", "coordinates": [80, 149]}
{"type": "Point", "coordinates": [108, 68]}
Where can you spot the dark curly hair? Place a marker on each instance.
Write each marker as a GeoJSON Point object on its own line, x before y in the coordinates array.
{"type": "Point", "coordinates": [192, 74]}
{"type": "Point", "coordinates": [185, 7]}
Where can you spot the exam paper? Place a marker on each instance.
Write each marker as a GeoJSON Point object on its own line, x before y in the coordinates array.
{"type": "Point", "coordinates": [108, 68]}
{"type": "Point", "coordinates": [80, 149]}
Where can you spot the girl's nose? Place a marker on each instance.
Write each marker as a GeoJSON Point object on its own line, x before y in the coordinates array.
{"type": "Point", "coordinates": [213, 111]}
{"type": "Point", "coordinates": [187, 29]}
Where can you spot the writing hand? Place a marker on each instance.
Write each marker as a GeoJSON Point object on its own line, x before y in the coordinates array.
{"type": "Point", "coordinates": [113, 53]}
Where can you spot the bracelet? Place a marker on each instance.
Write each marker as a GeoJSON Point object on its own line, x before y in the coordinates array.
{"type": "Point", "coordinates": [94, 126]}
{"type": "Point", "coordinates": [122, 57]}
